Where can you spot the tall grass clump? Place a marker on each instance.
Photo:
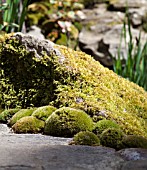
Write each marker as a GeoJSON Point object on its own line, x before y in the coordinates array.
{"type": "Point", "coordinates": [12, 15]}
{"type": "Point", "coordinates": [134, 65]}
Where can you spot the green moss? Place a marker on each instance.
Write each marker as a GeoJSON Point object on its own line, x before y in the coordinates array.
{"type": "Point", "coordinates": [86, 138]}
{"type": "Point", "coordinates": [28, 124]}
{"type": "Point", "coordinates": [66, 122]}
{"type": "Point", "coordinates": [102, 125]}
{"type": "Point", "coordinates": [112, 138]}
{"type": "Point", "coordinates": [7, 114]}
{"type": "Point", "coordinates": [134, 141]}
{"type": "Point", "coordinates": [78, 81]}
{"type": "Point", "coordinates": [21, 113]}
{"type": "Point", "coordinates": [43, 112]}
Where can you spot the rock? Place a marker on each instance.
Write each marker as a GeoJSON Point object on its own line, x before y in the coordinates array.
{"type": "Point", "coordinates": [102, 27]}
{"type": "Point", "coordinates": [62, 76]}
{"type": "Point", "coordinates": [4, 129]}
{"type": "Point", "coordinates": [133, 154]}
{"type": "Point", "coordinates": [135, 165]}
{"type": "Point", "coordinates": [121, 4]}
{"type": "Point", "coordinates": [36, 32]}
{"type": "Point", "coordinates": [136, 159]}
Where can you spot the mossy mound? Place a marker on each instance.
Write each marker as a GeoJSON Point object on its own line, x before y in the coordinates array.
{"type": "Point", "coordinates": [86, 138]}
{"type": "Point", "coordinates": [66, 122]}
{"type": "Point", "coordinates": [7, 114]}
{"type": "Point", "coordinates": [28, 124]}
{"type": "Point", "coordinates": [102, 125]}
{"type": "Point", "coordinates": [112, 138]}
{"type": "Point", "coordinates": [43, 112]}
{"type": "Point", "coordinates": [134, 141]}
{"type": "Point", "coordinates": [61, 77]}
{"type": "Point", "coordinates": [21, 113]}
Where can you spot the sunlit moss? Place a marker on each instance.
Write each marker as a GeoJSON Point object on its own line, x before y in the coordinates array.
{"type": "Point", "coordinates": [81, 82]}
{"type": "Point", "coordinates": [101, 89]}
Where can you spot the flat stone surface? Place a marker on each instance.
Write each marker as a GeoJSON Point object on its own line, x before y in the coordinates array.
{"type": "Point", "coordinates": [41, 152]}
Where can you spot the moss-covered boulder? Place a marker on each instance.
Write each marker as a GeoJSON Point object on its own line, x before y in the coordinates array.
{"type": "Point", "coordinates": [43, 112]}
{"type": "Point", "coordinates": [60, 76]}
{"type": "Point", "coordinates": [102, 125]}
{"type": "Point", "coordinates": [66, 122]}
{"type": "Point", "coordinates": [28, 124]}
{"type": "Point", "coordinates": [134, 141]}
{"type": "Point", "coordinates": [21, 113]}
{"type": "Point", "coordinates": [86, 138]}
{"type": "Point", "coordinates": [7, 114]}
{"type": "Point", "coordinates": [112, 138]}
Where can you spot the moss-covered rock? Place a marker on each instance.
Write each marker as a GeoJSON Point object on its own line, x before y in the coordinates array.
{"type": "Point", "coordinates": [134, 141]}
{"type": "Point", "coordinates": [102, 125]}
{"type": "Point", "coordinates": [43, 112]}
{"type": "Point", "coordinates": [60, 76]}
{"type": "Point", "coordinates": [86, 138]}
{"type": "Point", "coordinates": [66, 122]}
{"type": "Point", "coordinates": [21, 113]}
{"type": "Point", "coordinates": [28, 124]}
{"type": "Point", "coordinates": [7, 114]}
{"type": "Point", "coordinates": [112, 138]}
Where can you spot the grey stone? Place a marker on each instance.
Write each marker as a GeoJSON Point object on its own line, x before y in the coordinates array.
{"type": "Point", "coordinates": [135, 165]}
{"type": "Point", "coordinates": [133, 154]}
{"type": "Point", "coordinates": [101, 34]}
{"type": "Point", "coordinates": [40, 152]}
{"type": "Point", "coordinates": [38, 46]}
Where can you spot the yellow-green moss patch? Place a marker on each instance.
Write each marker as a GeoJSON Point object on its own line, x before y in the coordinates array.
{"type": "Point", "coordinates": [28, 124]}
{"type": "Point", "coordinates": [66, 122]}
{"type": "Point", "coordinates": [73, 79]}
{"type": "Point", "coordinates": [43, 112]}
{"type": "Point", "coordinates": [7, 114]}
{"type": "Point", "coordinates": [86, 138]}
{"type": "Point", "coordinates": [21, 113]}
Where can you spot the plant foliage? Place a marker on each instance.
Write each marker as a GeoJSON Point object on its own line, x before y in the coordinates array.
{"type": "Point", "coordinates": [134, 67]}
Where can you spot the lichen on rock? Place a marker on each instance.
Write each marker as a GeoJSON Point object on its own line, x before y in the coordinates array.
{"type": "Point", "coordinates": [60, 76]}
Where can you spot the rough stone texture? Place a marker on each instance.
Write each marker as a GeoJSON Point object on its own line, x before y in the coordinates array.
{"type": "Point", "coordinates": [40, 152]}
{"type": "Point", "coordinates": [38, 46]}
{"type": "Point", "coordinates": [100, 36]}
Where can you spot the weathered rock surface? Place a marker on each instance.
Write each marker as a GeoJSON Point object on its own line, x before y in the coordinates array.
{"type": "Point", "coordinates": [100, 36]}
{"type": "Point", "coordinates": [40, 152]}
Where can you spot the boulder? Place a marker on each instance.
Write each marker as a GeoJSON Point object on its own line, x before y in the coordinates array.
{"type": "Point", "coordinates": [60, 76]}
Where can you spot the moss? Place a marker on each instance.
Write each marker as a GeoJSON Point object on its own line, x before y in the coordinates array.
{"type": "Point", "coordinates": [134, 141]}
{"type": "Point", "coordinates": [21, 113]}
{"type": "Point", "coordinates": [43, 112]}
{"type": "Point", "coordinates": [112, 138]}
{"type": "Point", "coordinates": [102, 125]}
{"type": "Point", "coordinates": [7, 114]}
{"type": "Point", "coordinates": [78, 81]}
{"type": "Point", "coordinates": [86, 138]}
{"type": "Point", "coordinates": [28, 124]}
{"type": "Point", "coordinates": [66, 122]}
